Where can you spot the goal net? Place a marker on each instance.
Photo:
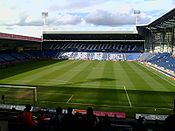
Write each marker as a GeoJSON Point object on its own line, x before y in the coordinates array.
{"type": "Point", "coordinates": [13, 94]}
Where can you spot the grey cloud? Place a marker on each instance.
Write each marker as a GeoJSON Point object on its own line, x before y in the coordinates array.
{"type": "Point", "coordinates": [63, 19]}
{"type": "Point", "coordinates": [101, 17]}
{"type": "Point", "coordinates": [24, 22]}
{"type": "Point", "coordinates": [9, 28]}
{"type": "Point", "coordinates": [34, 22]}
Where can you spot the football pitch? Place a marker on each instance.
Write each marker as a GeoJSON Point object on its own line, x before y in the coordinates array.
{"type": "Point", "coordinates": [105, 85]}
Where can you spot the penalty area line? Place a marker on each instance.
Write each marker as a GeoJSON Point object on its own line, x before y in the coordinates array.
{"type": "Point", "coordinates": [70, 98]}
{"type": "Point", "coordinates": [129, 101]}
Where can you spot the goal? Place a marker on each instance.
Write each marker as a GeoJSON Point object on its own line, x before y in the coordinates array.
{"type": "Point", "coordinates": [18, 94]}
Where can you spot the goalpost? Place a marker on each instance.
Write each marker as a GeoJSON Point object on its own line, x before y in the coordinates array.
{"type": "Point", "coordinates": [18, 87]}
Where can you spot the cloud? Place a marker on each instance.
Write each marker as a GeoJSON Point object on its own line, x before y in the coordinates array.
{"type": "Point", "coordinates": [9, 28]}
{"type": "Point", "coordinates": [65, 19]}
{"type": "Point", "coordinates": [25, 21]}
{"type": "Point", "coordinates": [62, 19]}
{"type": "Point", "coordinates": [102, 17]}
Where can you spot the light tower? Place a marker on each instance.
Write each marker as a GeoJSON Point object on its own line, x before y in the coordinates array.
{"type": "Point", "coordinates": [137, 14]}
{"type": "Point", "coordinates": [44, 16]}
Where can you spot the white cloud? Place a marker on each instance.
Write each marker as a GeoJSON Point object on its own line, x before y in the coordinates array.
{"type": "Point", "coordinates": [87, 14]}
{"type": "Point", "coordinates": [102, 17]}
{"type": "Point", "coordinates": [25, 21]}
{"type": "Point", "coordinates": [67, 19]}
{"type": "Point", "coordinates": [7, 15]}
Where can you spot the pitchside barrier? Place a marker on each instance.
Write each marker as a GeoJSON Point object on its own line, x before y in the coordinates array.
{"type": "Point", "coordinates": [10, 93]}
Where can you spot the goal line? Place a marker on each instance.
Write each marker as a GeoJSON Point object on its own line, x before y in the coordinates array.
{"type": "Point", "coordinates": [34, 90]}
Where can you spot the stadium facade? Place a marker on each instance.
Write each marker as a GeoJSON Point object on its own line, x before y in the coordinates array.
{"type": "Point", "coordinates": [93, 41]}
{"type": "Point", "coordinates": [160, 34]}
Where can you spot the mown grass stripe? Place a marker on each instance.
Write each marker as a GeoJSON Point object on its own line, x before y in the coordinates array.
{"type": "Point", "coordinates": [80, 75]}
{"type": "Point", "coordinates": [124, 77]}
{"type": "Point", "coordinates": [107, 77]}
{"type": "Point", "coordinates": [57, 75]}
{"type": "Point", "coordinates": [100, 86]}
{"type": "Point", "coordinates": [157, 74]}
{"type": "Point", "coordinates": [21, 68]}
{"type": "Point", "coordinates": [27, 77]}
{"type": "Point", "coordinates": [93, 77]}
{"type": "Point", "coordinates": [138, 79]}
{"type": "Point", "coordinates": [150, 79]}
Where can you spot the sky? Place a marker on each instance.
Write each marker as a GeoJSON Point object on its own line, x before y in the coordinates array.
{"type": "Point", "coordinates": [24, 17]}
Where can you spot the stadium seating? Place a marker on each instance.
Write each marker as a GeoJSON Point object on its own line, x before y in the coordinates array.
{"type": "Point", "coordinates": [11, 58]}
{"type": "Point", "coordinates": [100, 56]}
{"type": "Point", "coordinates": [51, 54]}
{"type": "Point", "coordinates": [101, 47]}
{"type": "Point", "coordinates": [163, 60]}
{"type": "Point", "coordinates": [8, 57]}
{"type": "Point", "coordinates": [132, 56]}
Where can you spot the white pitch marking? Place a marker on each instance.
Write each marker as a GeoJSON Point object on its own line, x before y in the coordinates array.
{"type": "Point", "coordinates": [129, 101]}
{"type": "Point", "coordinates": [157, 74]}
{"type": "Point", "coordinates": [70, 98]}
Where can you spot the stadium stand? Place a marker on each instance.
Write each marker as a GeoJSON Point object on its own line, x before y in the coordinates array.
{"type": "Point", "coordinates": [162, 60]}
{"type": "Point", "coordinates": [85, 46]}
{"type": "Point", "coordinates": [94, 47]}
{"type": "Point", "coordinates": [51, 120]}
{"type": "Point", "coordinates": [100, 56]}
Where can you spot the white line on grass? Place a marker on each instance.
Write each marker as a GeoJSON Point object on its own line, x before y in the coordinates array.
{"type": "Point", "coordinates": [110, 106]}
{"type": "Point", "coordinates": [157, 74]}
{"type": "Point", "coordinates": [70, 98]}
{"type": "Point", "coordinates": [129, 101]}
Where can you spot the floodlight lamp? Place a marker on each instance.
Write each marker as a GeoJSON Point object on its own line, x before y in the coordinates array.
{"type": "Point", "coordinates": [137, 12]}
{"type": "Point", "coordinates": [44, 14]}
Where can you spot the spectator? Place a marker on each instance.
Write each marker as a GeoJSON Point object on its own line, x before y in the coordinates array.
{"type": "Point", "coordinates": [43, 121]}
{"type": "Point", "coordinates": [26, 119]}
{"type": "Point", "coordinates": [79, 123]}
{"type": "Point", "coordinates": [57, 119]}
{"type": "Point", "coordinates": [90, 120]}
{"type": "Point", "coordinates": [140, 125]}
{"type": "Point", "coordinates": [3, 99]}
{"type": "Point", "coordinates": [106, 123]}
{"type": "Point", "coordinates": [42, 117]}
{"type": "Point", "coordinates": [68, 121]}
{"type": "Point", "coordinates": [170, 123]}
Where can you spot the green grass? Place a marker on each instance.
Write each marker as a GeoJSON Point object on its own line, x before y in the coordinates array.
{"type": "Point", "coordinates": [105, 85]}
